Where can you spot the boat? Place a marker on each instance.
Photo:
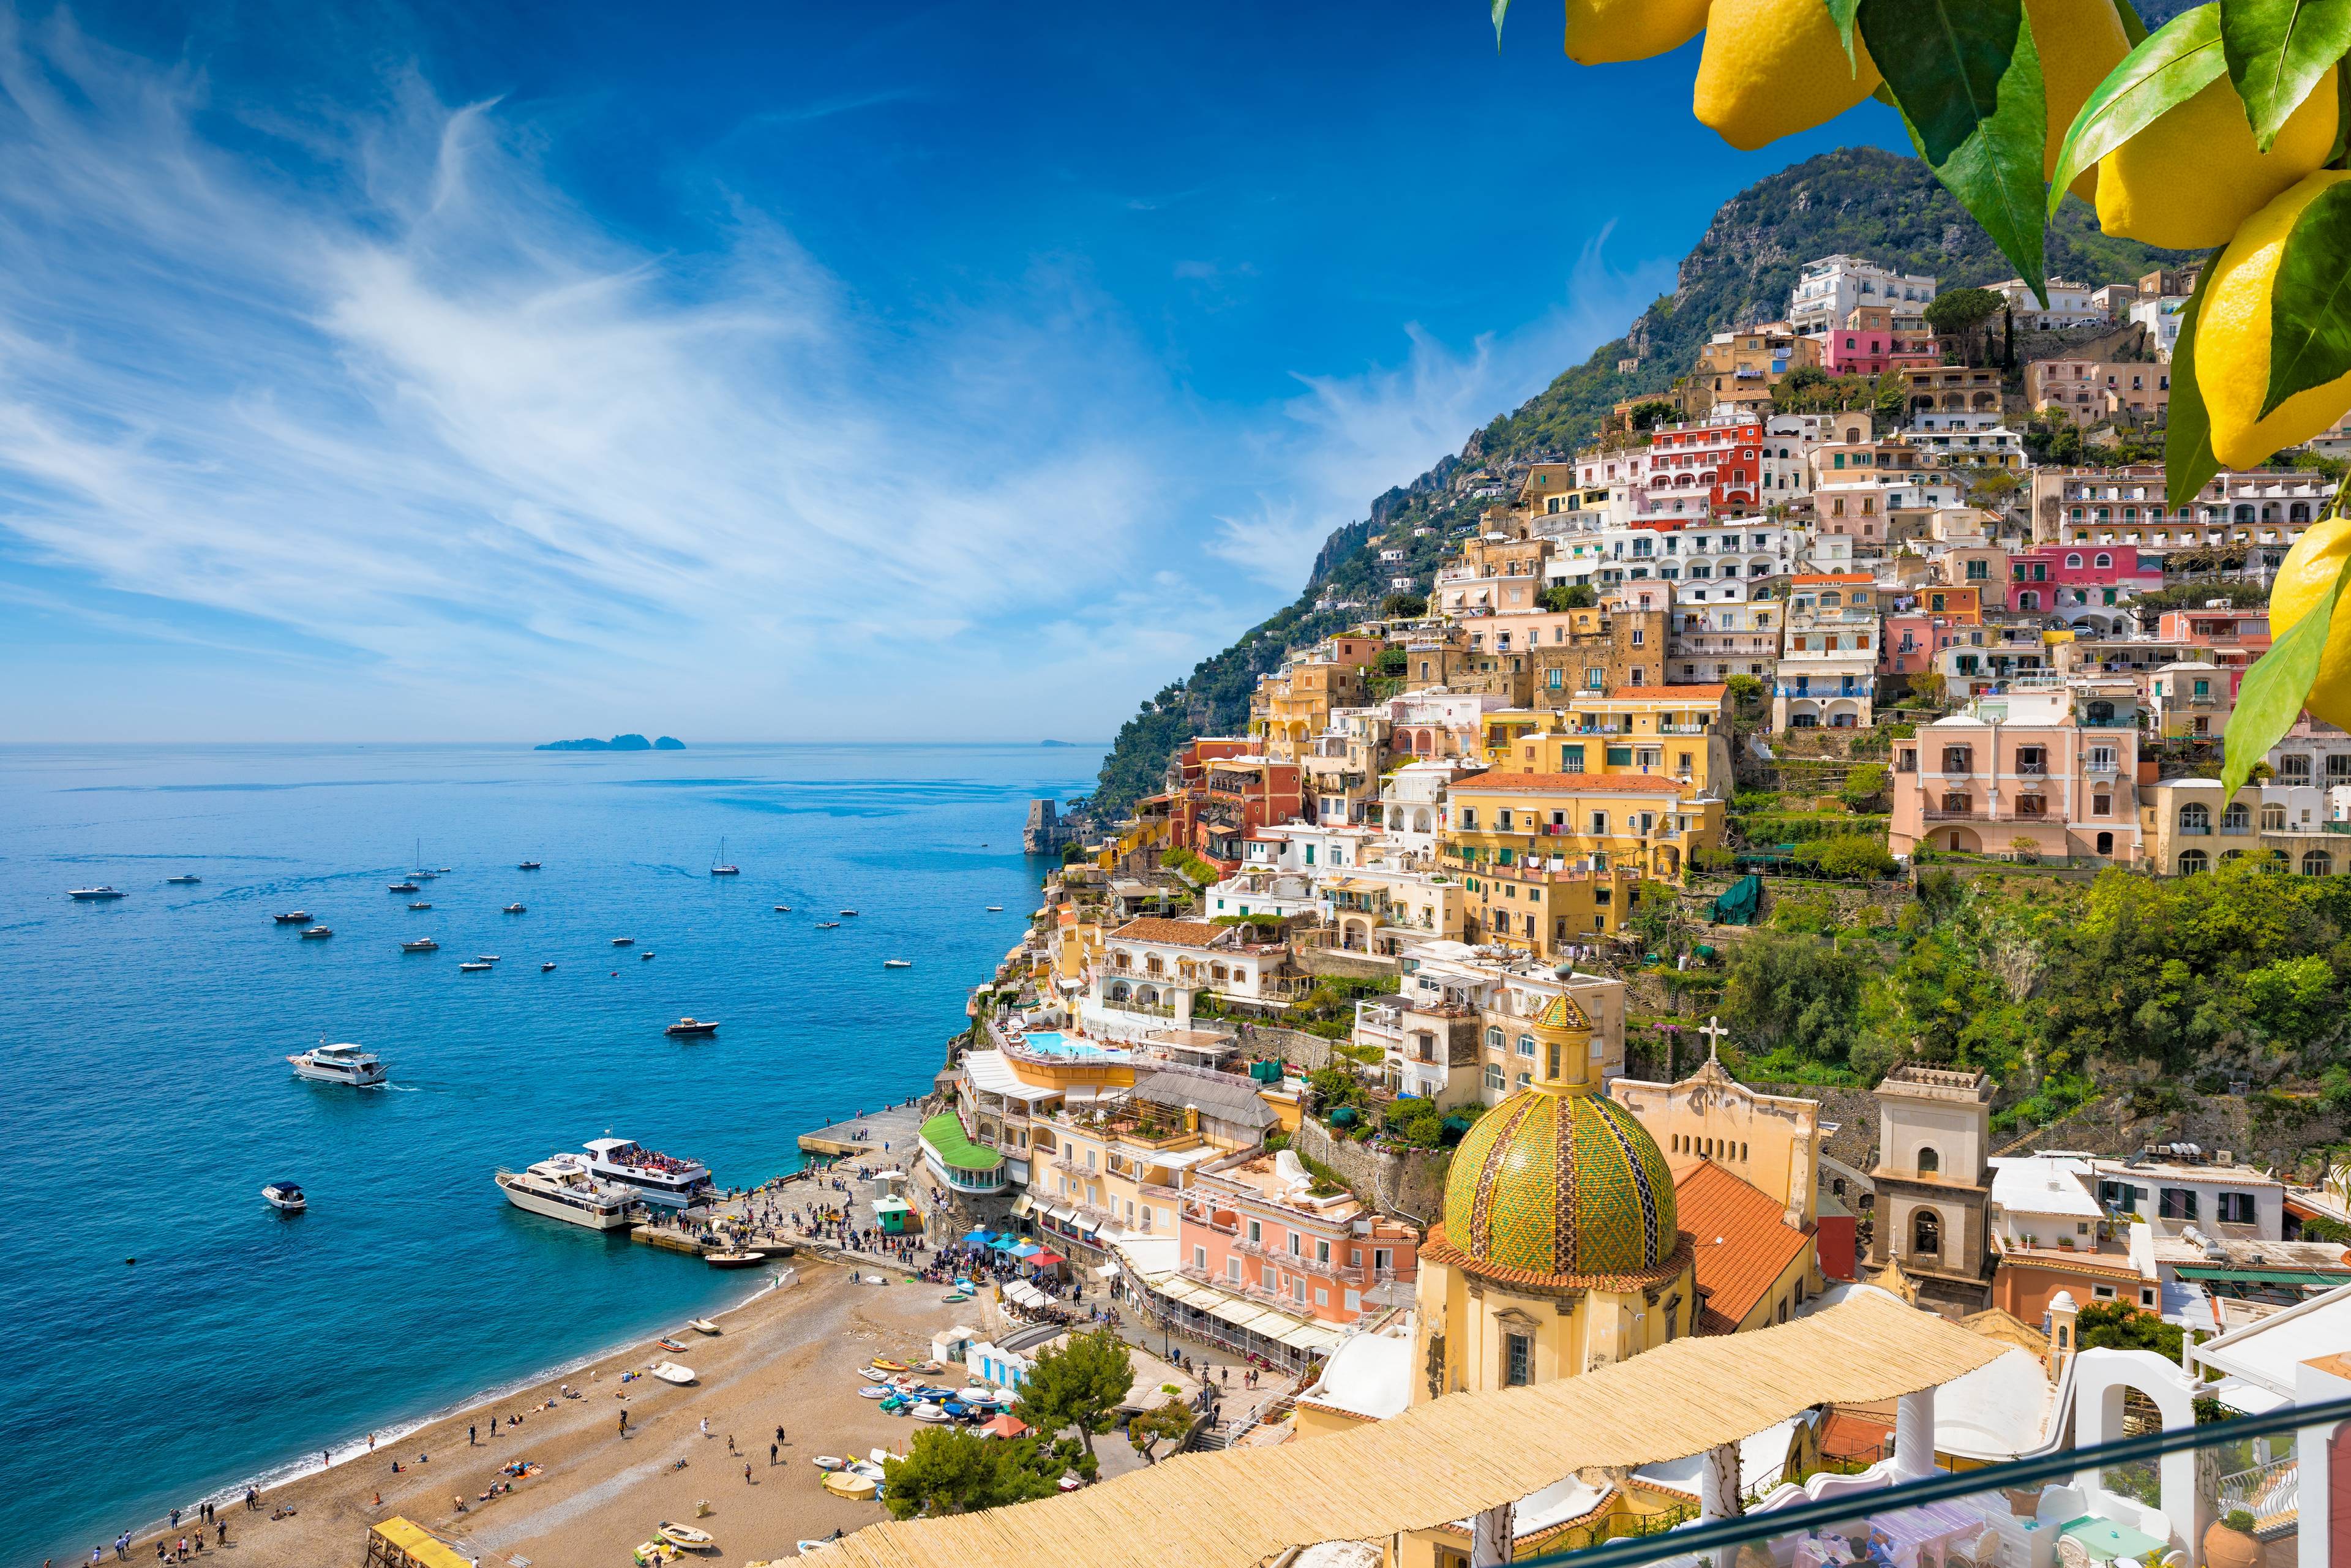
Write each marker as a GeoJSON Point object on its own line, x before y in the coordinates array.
{"type": "Point", "coordinates": [486, 957]}
{"type": "Point", "coordinates": [954, 1297]}
{"type": "Point", "coordinates": [624, 941]}
{"type": "Point", "coordinates": [646, 957]}
{"type": "Point", "coordinates": [996, 909]}
{"type": "Point", "coordinates": [669, 1345]}
{"type": "Point", "coordinates": [473, 967]}
{"type": "Point", "coordinates": [444, 871]}
{"type": "Point", "coordinates": [561, 1186]}
{"type": "Point", "coordinates": [316, 932]}
{"type": "Point", "coordinates": [292, 917]}
{"type": "Point", "coordinates": [415, 904]}
{"type": "Point", "coordinates": [100, 892]}
{"type": "Point", "coordinates": [734, 1260]}
{"type": "Point", "coordinates": [685, 1536]}
{"type": "Point", "coordinates": [516, 908]}
{"type": "Point", "coordinates": [831, 1462]}
{"type": "Point", "coordinates": [182, 880]}
{"type": "Point", "coordinates": [702, 1326]}
{"type": "Point", "coordinates": [849, 913]}
{"type": "Point", "coordinates": [403, 886]}
{"type": "Point", "coordinates": [874, 1391]}
{"type": "Point", "coordinates": [545, 967]}
{"type": "Point", "coordinates": [654, 1178]}
{"type": "Point", "coordinates": [671, 1372]}
{"type": "Point", "coordinates": [897, 963]}
{"type": "Point", "coordinates": [827, 926]}
{"type": "Point", "coordinates": [343, 1064]}
{"type": "Point", "coordinates": [783, 909]}
{"type": "Point", "coordinates": [721, 866]}
{"type": "Point", "coordinates": [849, 1484]}
{"type": "Point", "coordinates": [655, 1552]}
{"type": "Point", "coordinates": [889, 1365]}
{"type": "Point", "coordinates": [926, 1411]}
{"type": "Point", "coordinates": [287, 1196]}
{"type": "Point", "coordinates": [527, 865]}
{"type": "Point", "coordinates": [421, 944]}
{"type": "Point", "coordinates": [686, 1026]}
{"type": "Point", "coordinates": [423, 870]}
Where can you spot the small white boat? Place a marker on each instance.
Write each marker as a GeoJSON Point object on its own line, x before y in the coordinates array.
{"type": "Point", "coordinates": [648, 958]}
{"type": "Point", "coordinates": [474, 968]}
{"type": "Point", "coordinates": [875, 1391]}
{"type": "Point", "coordinates": [926, 1411]}
{"type": "Point", "coordinates": [996, 909]}
{"type": "Point", "coordinates": [421, 944]}
{"type": "Point", "coordinates": [100, 892]}
{"type": "Point", "coordinates": [702, 1326]}
{"type": "Point", "coordinates": [685, 1536]}
{"type": "Point", "coordinates": [783, 909]}
{"type": "Point", "coordinates": [880, 1455]}
{"type": "Point", "coordinates": [624, 941]}
{"type": "Point", "coordinates": [292, 917]}
{"type": "Point", "coordinates": [182, 880]}
{"type": "Point", "coordinates": [863, 1467]}
{"type": "Point", "coordinates": [671, 1372]}
{"type": "Point", "coordinates": [827, 926]}
{"type": "Point", "coordinates": [318, 932]}
{"type": "Point", "coordinates": [851, 913]}
{"type": "Point", "coordinates": [831, 1462]}
{"type": "Point", "coordinates": [517, 908]}
{"type": "Point", "coordinates": [418, 904]}
{"type": "Point", "coordinates": [285, 1195]}
{"type": "Point", "coordinates": [545, 967]}
{"type": "Point", "coordinates": [897, 963]}
{"type": "Point", "coordinates": [486, 957]}
{"type": "Point", "coordinates": [527, 865]}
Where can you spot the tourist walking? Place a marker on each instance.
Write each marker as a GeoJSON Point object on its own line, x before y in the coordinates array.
{"type": "Point", "coordinates": [771, 1453]}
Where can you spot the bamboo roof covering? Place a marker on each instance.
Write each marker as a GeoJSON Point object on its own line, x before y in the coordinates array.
{"type": "Point", "coordinates": [1449, 1458]}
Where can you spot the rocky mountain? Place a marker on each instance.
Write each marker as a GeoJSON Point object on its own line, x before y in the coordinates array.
{"type": "Point", "coordinates": [1857, 201]}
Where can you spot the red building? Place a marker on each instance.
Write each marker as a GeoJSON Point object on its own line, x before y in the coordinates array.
{"type": "Point", "coordinates": [1725, 458]}
{"type": "Point", "coordinates": [1223, 786]}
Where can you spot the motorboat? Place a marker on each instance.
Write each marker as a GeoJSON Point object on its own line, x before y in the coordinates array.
{"type": "Point", "coordinates": [624, 941]}
{"type": "Point", "coordinates": [849, 1484]}
{"type": "Point", "coordinates": [831, 1462]}
{"type": "Point", "coordinates": [783, 909]}
{"type": "Point", "coordinates": [875, 1391]}
{"type": "Point", "coordinates": [546, 967]}
{"type": "Point", "coordinates": [691, 1026]}
{"type": "Point", "coordinates": [561, 1186]}
{"type": "Point", "coordinates": [880, 1457]}
{"type": "Point", "coordinates": [444, 871]}
{"type": "Point", "coordinates": [415, 905]}
{"type": "Point", "coordinates": [926, 1411]}
{"type": "Point", "coordinates": [849, 913]}
{"type": "Point", "coordinates": [182, 880]}
{"type": "Point", "coordinates": [287, 1196]}
{"type": "Point", "coordinates": [646, 957]}
{"type": "Point", "coordinates": [473, 967]}
{"type": "Point", "coordinates": [343, 1064]}
{"type": "Point", "coordinates": [527, 865]}
{"type": "Point", "coordinates": [734, 1260]}
{"type": "Point", "coordinates": [316, 932]}
{"type": "Point", "coordinates": [486, 957]}
{"type": "Point", "coordinates": [403, 886]}
{"type": "Point", "coordinates": [99, 894]}
{"type": "Point", "coordinates": [421, 944]}
{"type": "Point", "coordinates": [996, 909]}
{"type": "Point", "coordinates": [827, 926]}
{"type": "Point", "coordinates": [516, 908]}
{"type": "Point", "coordinates": [685, 1536]}
{"type": "Point", "coordinates": [721, 866]}
{"type": "Point", "coordinates": [654, 1178]}
{"type": "Point", "coordinates": [671, 1372]}
{"type": "Point", "coordinates": [897, 963]}
{"type": "Point", "coordinates": [291, 917]}
{"type": "Point", "coordinates": [702, 1326]}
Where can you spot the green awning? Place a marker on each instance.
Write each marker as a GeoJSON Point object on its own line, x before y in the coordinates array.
{"type": "Point", "coordinates": [2211, 1275]}
{"type": "Point", "coordinates": [944, 1134]}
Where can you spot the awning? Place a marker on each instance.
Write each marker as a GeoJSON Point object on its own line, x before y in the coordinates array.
{"type": "Point", "coordinates": [1063, 1215]}
{"type": "Point", "coordinates": [1044, 1259]}
{"type": "Point", "coordinates": [1107, 1272]}
{"type": "Point", "coordinates": [2265, 1276]}
{"type": "Point", "coordinates": [1020, 1206]}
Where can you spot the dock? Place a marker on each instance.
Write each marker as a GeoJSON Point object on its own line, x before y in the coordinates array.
{"type": "Point", "coordinates": [884, 1137]}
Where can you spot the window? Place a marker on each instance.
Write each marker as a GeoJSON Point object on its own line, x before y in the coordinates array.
{"type": "Point", "coordinates": [1927, 1233]}
{"type": "Point", "coordinates": [1958, 759]}
{"type": "Point", "coordinates": [1381, 1257]}
{"type": "Point", "coordinates": [2236, 1208]}
{"type": "Point", "coordinates": [1265, 1277]}
{"type": "Point", "coordinates": [2195, 818]}
{"type": "Point", "coordinates": [1199, 1257]}
{"type": "Point", "coordinates": [1233, 1270]}
{"type": "Point", "coordinates": [1256, 1233]}
{"type": "Point", "coordinates": [1527, 1045]}
{"type": "Point", "coordinates": [2193, 861]}
{"type": "Point", "coordinates": [1494, 1079]}
{"type": "Point", "coordinates": [1519, 1356]}
{"type": "Point", "coordinates": [1321, 1251]}
{"type": "Point", "coordinates": [1929, 1160]}
{"type": "Point", "coordinates": [2176, 1203]}
{"type": "Point", "coordinates": [1296, 1249]}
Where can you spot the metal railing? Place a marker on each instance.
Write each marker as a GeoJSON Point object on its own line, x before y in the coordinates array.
{"type": "Point", "coordinates": [2270, 1492]}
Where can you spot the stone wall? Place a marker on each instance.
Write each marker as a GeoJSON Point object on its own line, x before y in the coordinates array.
{"type": "Point", "coordinates": [1271, 1042]}
{"type": "Point", "coordinates": [1339, 962]}
{"type": "Point", "coordinates": [1407, 1183]}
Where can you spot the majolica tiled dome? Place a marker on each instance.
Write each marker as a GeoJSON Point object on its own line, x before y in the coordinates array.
{"type": "Point", "coordinates": [1562, 1186]}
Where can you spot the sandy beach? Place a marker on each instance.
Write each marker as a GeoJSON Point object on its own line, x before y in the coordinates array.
{"type": "Point", "coordinates": [786, 1357]}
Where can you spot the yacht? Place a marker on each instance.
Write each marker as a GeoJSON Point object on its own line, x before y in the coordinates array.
{"type": "Point", "coordinates": [182, 880]}
{"type": "Point", "coordinates": [345, 1063]}
{"type": "Point", "coordinates": [517, 908]}
{"type": "Point", "coordinates": [99, 892]}
{"type": "Point", "coordinates": [285, 1195]}
{"type": "Point", "coordinates": [563, 1188]}
{"type": "Point", "coordinates": [316, 932]}
{"type": "Point", "coordinates": [421, 944]}
{"type": "Point", "coordinates": [721, 866]}
{"type": "Point", "coordinates": [897, 963]}
{"type": "Point", "coordinates": [475, 967]}
{"type": "Point", "coordinates": [423, 871]}
{"type": "Point", "coordinates": [527, 865]}
{"type": "Point", "coordinates": [654, 1177]}
{"type": "Point", "coordinates": [648, 958]}
{"type": "Point", "coordinates": [418, 904]}
{"type": "Point", "coordinates": [546, 967]}
{"type": "Point", "coordinates": [850, 914]}
{"type": "Point", "coordinates": [624, 941]}
{"type": "Point", "coordinates": [686, 1026]}
{"type": "Point", "coordinates": [406, 884]}
{"type": "Point", "coordinates": [292, 917]}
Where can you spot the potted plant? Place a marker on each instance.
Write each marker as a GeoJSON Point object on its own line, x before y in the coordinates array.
{"type": "Point", "coordinates": [2230, 1542]}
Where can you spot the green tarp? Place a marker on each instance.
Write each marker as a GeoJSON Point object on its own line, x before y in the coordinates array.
{"type": "Point", "coordinates": [1738, 906]}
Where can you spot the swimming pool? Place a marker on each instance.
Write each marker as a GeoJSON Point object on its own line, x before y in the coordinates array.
{"type": "Point", "coordinates": [1052, 1043]}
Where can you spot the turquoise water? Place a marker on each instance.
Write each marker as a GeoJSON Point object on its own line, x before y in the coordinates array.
{"type": "Point", "coordinates": [141, 1046]}
{"type": "Point", "coordinates": [1052, 1043]}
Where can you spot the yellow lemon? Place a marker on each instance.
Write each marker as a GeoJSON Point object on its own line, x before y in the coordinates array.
{"type": "Point", "coordinates": [1773, 67]}
{"type": "Point", "coordinates": [2232, 339]}
{"type": "Point", "coordinates": [2188, 181]}
{"type": "Point", "coordinates": [2309, 568]}
{"type": "Point", "coordinates": [1605, 32]}
{"type": "Point", "coordinates": [2079, 42]}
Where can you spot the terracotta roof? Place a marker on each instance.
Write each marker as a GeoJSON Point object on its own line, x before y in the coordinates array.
{"type": "Point", "coordinates": [1755, 1242]}
{"type": "Point", "coordinates": [1561, 783]}
{"type": "Point", "coordinates": [1836, 577]}
{"type": "Point", "coordinates": [1847, 1435]}
{"type": "Point", "coordinates": [1172, 933]}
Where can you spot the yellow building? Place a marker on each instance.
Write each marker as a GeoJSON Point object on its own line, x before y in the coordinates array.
{"type": "Point", "coordinates": [1558, 853]}
{"type": "Point", "coordinates": [1772, 1142]}
{"type": "Point", "coordinates": [1683, 732]}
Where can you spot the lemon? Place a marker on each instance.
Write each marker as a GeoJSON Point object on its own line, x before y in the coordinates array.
{"type": "Point", "coordinates": [2188, 181]}
{"type": "Point", "coordinates": [2232, 339]}
{"type": "Point", "coordinates": [2309, 569]}
{"type": "Point", "coordinates": [1604, 32]}
{"type": "Point", "coordinates": [2079, 42]}
{"type": "Point", "coordinates": [1773, 67]}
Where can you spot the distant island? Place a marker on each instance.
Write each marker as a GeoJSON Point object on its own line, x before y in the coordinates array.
{"type": "Point", "coordinates": [617, 743]}
{"type": "Point", "coordinates": [1068, 742]}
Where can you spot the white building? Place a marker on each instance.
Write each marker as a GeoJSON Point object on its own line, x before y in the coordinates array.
{"type": "Point", "coordinates": [2069, 305]}
{"type": "Point", "coordinates": [2160, 317]}
{"type": "Point", "coordinates": [1829, 291]}
{"type": "Point", "coordinates": [1711, 644]}
{"type": "Point", "coordinates": [2176, 1192]}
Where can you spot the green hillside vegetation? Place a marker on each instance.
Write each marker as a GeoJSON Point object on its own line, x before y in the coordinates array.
{"type": "Point", "coordinates": [1857, 201]}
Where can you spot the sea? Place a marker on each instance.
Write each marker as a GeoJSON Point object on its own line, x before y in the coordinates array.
{"type": "Point", "coordinates": [169, 1334]}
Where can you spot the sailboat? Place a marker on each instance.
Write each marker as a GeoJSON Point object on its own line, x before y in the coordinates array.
{"type": "Point", "coordinates": [721, 866]}
{"type": "Point", "coordinates": [422, 872]}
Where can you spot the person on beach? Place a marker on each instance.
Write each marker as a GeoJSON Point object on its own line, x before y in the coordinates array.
{"type": "Point", "coordinates": [771, 1453]}
{"type": "Point", "coordinates": [746, 1475]}
{"type": "Point", "coordinates": [472, 1436]}
{"type": "Point", "coordinates": [624, 1423]}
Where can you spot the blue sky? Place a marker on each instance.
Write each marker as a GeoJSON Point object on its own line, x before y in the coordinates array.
{"type": "Point", "coordinates": [761, 370]}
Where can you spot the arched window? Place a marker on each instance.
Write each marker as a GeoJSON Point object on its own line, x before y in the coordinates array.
{"type": "Point", "coordinates": [1493, 1039]}
{"type": "Point", "coordinates": [2105, 560]}
{"type": "Point", "coordinates": [2073, 560]}
{"type": "Point", "coordinates": [1526, 1045]}
{"type": "Point", "coordinates": [2195, 818]}
{"type": "Point", "coordinates": [2102, 712]}
{"type": "Point", "coordinates": [1930, 1160]}
{"type": "Point", "coordinates": [2317, 862]}
{"type": "Point", "coordinates": [1927, 1233]}
{"type": "Point", "coordinates": [1837, 1185]}
{"type": "Point", "coordinates": [2237, 819]}
{"type": "Point", "coordinates": [2192, 862]}
{"type": "Point", "coordinates": [1120, 990]}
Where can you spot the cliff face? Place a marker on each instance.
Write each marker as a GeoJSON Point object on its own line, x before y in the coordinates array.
{"type": "Point", "coordinates": [1857, 201]}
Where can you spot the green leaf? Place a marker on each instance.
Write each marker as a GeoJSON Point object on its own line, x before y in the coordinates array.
{"type": "Point", "coordinates": [2276, 686]}
{"type": "Point", "coordinates": [2277, 50]}
{"type": "Point", "coordinates": [1501, 9]}
{"type": "Point", "coordinates": [2133, 28]}
{"type": "Point", "coordinates": [1967, 79]}
{"type": "Point", "coordinates": [2310, 302]}
{"type": "Point", "coordinates": [2175, 62]}
{"type": "Point", "coordinates": [1842, 12]}
{"type": "Point", "coordinates": [2187, 462]}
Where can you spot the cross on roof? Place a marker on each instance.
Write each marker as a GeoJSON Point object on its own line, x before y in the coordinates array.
{"type": "Point", "coordinates": [1714, 1031]}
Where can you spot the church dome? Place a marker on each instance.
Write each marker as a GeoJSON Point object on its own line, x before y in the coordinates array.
{"type": "Point", "coordinates": [1560, 1188]}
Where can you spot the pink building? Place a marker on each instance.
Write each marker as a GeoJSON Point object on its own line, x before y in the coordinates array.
{"type": "Point", "coordinates": [1868, 345]}
{"type": "Point", "coordinates": [1254, 1227]}
{"type": "Point", "coordinates": [2061, 576]}
{"type": "Point", "coordinates": [2218, 628]}
{"type": "Point", "coordinates": [2048, 770]}
{"type": "Point", "coordinates": [1913, 637]}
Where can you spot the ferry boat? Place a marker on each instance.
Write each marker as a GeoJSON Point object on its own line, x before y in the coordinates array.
{"type": "Point", "coordinates": [292, 917]}
{"type": "Point", "coordinates": [721, 866]}
{"type": "Point", "coordinates": [421, 944]}
{"type": "Point", "coordinates": [182, 880]}
{"type": "Point", "coordinates": [316, 932]}
{"type": "Point", "coordinates": [654, 1178]}
{"type": "Point", "coordinates": [527, 865]}
{"type": "Point", "coordinates": [287, 1196]}
{"type": "Point", "coordinates": [100, 892]}
{"type": "Point", "coordinates": [344, 1063]}
{"type": "Point", "coordinates": [686, 1026]}
{"type": "Point", "coordinates": [562, 1187]}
